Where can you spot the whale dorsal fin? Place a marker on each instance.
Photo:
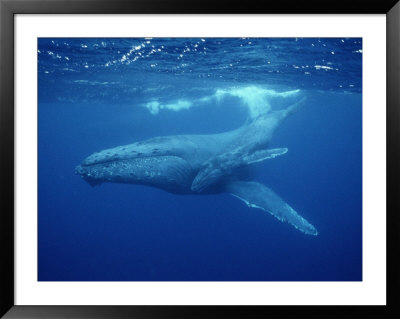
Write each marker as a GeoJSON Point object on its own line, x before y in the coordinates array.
{"type": "Point", "coordinates": [257, 195]}
{"type": "Point", "coordinates": [262, 155]}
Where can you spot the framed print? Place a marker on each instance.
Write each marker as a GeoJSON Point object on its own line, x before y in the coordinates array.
{"type": "Point", "coordinates": [173, 160]}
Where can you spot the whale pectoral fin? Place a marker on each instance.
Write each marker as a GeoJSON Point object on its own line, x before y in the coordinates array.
{"type": "Point", "coordinates": [259, 196]}
{"type": "Point", "coordinates": [262, 155]}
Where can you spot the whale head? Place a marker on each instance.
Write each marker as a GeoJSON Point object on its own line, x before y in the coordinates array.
{"type": "Point", "coordinates": [168, 172]}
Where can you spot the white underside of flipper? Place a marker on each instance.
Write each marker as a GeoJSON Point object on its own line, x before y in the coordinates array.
{"type": "Point", "coordinates": [259, 196]}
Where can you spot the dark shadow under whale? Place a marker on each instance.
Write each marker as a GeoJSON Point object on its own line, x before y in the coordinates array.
{"type": "Point", "coordinates": [201, 164]}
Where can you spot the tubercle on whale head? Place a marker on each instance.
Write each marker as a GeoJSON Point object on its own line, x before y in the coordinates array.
{"type": "Point", "coordinates": [79, 170]}
{"type": "Point", "coordinates": [85, 174]}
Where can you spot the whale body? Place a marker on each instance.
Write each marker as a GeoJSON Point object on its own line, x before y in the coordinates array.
{"type": "Point", "coordinates": [201, 164]}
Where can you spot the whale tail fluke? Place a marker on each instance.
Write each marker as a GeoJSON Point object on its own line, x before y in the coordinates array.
{"type": "Point", "coordinates": [257, 195]}
{"type": "Point", "coordinates": [291, 109]}
{"type": "Point", "coordinates": [294, 107]}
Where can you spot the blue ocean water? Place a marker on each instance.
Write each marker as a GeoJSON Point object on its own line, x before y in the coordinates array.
{"type": "Point", "coordinates": [98, 93]}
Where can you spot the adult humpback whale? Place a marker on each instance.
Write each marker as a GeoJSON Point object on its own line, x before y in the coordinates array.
{"type": "Point", "coordinates": [201, 164]}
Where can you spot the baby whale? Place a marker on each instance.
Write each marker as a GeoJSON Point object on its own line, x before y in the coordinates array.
{"type": "Point", "coordinates": [201, 164]}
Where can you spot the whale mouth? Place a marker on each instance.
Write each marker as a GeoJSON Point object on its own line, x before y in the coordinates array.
{"type": "Point", "coordinates": [85, 174]}
{"type": "Point", "coordinates": [167, 172]}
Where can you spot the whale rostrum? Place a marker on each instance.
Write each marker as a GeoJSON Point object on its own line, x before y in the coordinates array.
{"type": "Point", "coordinates": [201, 164]}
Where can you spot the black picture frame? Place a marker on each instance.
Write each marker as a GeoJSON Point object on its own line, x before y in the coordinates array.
{"type": "Point", "coordinates": [8, 8]}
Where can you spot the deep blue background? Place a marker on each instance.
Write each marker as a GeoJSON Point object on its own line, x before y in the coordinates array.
{"type": "Point", "coordinates": [91, 98]}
